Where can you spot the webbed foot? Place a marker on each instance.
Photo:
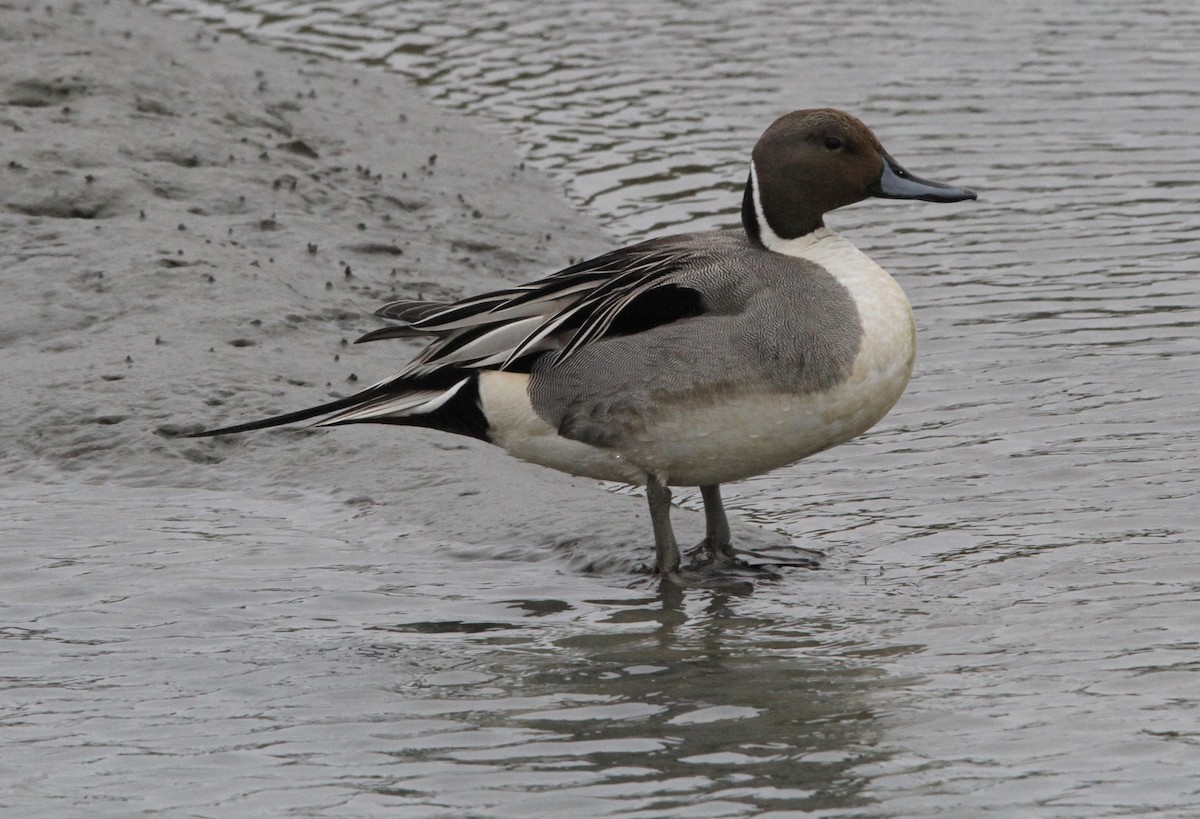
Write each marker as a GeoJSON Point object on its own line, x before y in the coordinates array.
{"type": "Point", "coordinates": [722, 560]}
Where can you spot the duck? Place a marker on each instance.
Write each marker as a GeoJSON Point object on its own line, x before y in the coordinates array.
{"type": "Point", "coordinates": [688, 360]}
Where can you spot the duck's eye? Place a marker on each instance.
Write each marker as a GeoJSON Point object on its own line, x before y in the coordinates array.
{"type": "Point", "coordinates": [832, 143]}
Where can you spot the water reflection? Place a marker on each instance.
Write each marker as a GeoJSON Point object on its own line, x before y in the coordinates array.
{"type": "Point", "coordinates": [274, 662]}
{"type": "Point", "coordinates": [692, 699]}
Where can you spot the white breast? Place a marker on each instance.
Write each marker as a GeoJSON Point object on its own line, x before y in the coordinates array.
{"type": "Point", "coordinates": [889, 341]}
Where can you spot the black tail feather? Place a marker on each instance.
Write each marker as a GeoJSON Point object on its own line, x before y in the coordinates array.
{"type": "Point", "coordinates": [293, 417]}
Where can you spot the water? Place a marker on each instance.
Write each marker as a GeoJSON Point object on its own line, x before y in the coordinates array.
{"type": "Point", "coordinates": [1008, 622]}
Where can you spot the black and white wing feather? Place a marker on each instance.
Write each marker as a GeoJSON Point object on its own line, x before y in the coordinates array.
{"type": "Point", "coordinates": [504, 329]}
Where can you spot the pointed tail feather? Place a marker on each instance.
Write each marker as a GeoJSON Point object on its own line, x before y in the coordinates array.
{"type": "Point", "coordinates": [292, 417]}
{"type": "Point", "coordinates": [449, 406]}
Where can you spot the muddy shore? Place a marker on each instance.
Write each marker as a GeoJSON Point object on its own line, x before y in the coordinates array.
{"type": "Point", "coordinates": [194, 230]}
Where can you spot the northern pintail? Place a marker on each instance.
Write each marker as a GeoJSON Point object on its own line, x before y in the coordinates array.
{"type": "Point", "coordinates": [686, 360]}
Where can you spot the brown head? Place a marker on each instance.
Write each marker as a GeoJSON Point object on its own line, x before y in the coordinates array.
{"type": "Point", "coordinates": [813, 161]}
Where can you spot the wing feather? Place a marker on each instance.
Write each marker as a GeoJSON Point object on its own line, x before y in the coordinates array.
{"type": "Point", "coordinates": [562, 312]}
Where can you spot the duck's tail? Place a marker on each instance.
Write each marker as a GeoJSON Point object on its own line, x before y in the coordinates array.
{"type": "Point", "coordinates": [453, 407]}
{"type": "Point", "coordinates": [447, 399]}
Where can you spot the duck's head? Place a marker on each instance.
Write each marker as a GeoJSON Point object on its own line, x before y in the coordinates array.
{"type": "Point", "coordinates": [813, 161]}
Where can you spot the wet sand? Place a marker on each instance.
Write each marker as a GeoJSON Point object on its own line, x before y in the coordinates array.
{"type": "Point", "coordinates": [195, 229]}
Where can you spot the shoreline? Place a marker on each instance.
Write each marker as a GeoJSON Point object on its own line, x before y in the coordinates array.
{"type": "Point", "coordinates": [195, 228]}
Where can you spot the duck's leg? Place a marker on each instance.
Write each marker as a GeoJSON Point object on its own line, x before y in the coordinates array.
{"type": "Point", "coordinates": [714, 554]}
{"type": "Point", "coordinates": [716, 551]}
{"type": "Point", "coordinates": [666, 549]}
{"type": "Point", "coordinates": [718, 542]}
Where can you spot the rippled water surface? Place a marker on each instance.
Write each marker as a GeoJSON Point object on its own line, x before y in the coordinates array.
{"type": "Point", "coordinates": [1010, 620]}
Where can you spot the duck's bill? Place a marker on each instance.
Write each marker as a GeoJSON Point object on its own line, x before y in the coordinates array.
{"type": "Point", "coordinates": [897, 183]}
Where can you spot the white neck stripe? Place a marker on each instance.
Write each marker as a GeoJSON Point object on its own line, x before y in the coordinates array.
{"type": "Point", "coordinates": [766, 235]}
{"type": "Point", "coordinates": [772, 240]}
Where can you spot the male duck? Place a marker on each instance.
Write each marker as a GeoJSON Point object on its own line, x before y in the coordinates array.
{"type": "Point", "coordinates": [687, 360]}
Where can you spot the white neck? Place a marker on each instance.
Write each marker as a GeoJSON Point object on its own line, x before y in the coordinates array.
{"type": "Point", "coordinates": [772, 240]}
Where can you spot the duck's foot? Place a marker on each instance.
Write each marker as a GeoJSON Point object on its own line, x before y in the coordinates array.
{"type": "Point", "coordinates": [706, 557]}
{"type": "Point", "coordinates": [724, 569]}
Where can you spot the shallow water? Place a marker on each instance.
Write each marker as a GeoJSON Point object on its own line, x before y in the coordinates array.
{"type": "Point", "coordinates": [1008, 621]}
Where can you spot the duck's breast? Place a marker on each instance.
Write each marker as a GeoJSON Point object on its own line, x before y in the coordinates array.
{"type": "Point", "coordinates": [843, 362]}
